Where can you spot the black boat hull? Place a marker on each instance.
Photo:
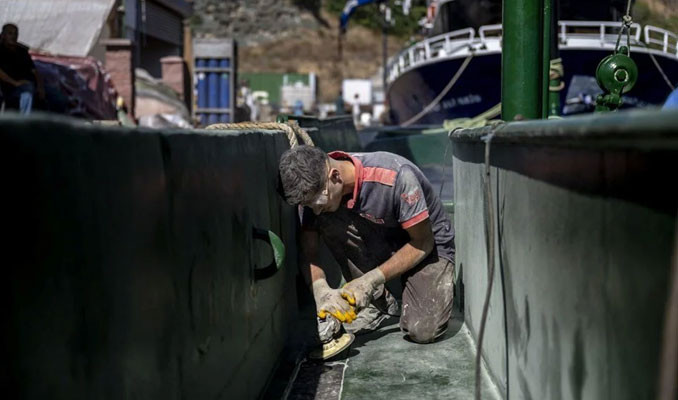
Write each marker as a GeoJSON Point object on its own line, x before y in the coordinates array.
{"type": "Point", "coordinates": [479, 87]}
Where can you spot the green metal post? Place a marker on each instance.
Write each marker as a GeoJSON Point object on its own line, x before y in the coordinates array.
{"type": "Point", "coordinates": [521, 63]}
{"type": "Point", "coordinates": [546, 58]}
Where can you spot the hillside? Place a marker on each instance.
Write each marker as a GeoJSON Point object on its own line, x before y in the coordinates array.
{"type": "Point", "coordinates": [291, 36]}
{"type": "Point", "coordinates": [661, 13]}
{"type": "Point", "coordinates": [316, 50]}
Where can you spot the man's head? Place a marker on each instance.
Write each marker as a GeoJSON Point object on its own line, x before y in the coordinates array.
{"type": "Point", "coordinates": [308, 178]}
{"type": "Point", "coordinates": [9, 35]}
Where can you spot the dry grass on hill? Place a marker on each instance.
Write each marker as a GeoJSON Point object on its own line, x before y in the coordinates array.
{"type": "Point", "coordinates": [308, 50]}
{"type": "Point", "coordinates": [661, 13]}
{"type": "Point", "coordinates": [316, 50]}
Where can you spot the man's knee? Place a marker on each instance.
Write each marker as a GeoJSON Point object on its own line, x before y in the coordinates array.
{"type": "Point", "coordinates": [424, 331]}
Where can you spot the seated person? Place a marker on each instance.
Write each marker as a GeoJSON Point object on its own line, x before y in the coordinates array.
{"type": "Point", "coordinates": [18, 77]}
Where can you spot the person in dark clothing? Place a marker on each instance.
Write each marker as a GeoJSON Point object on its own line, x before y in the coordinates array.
{"type": "Point", "coordinates": [19, 79]}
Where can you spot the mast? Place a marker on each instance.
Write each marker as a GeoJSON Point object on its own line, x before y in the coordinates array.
{"type": "Point", "coordinates": [521, 64]}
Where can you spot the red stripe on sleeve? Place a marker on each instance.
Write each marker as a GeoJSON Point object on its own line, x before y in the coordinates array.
{"type": "Point", "coordinates": [415, 220]}
{"type": "Point", "coordinates": [380, 175]}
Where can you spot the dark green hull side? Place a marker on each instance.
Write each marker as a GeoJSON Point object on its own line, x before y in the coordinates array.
{"type": "Point", "coordinates": [129, 261]}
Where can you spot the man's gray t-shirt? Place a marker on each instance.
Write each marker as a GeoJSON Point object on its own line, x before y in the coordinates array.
{"type": "Point", "coordinates": [393, 192]}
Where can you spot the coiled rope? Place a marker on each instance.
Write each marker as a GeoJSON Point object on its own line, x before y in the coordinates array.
{"type": "Point", "coordinates": [556, 71]}
{"type": "Point", "coordinates": [291, 129]}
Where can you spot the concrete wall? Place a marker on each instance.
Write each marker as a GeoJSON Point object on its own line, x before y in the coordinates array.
{"type": "Point", "coordinates": [128, 261]}
{"type": "Point", "coordinates": [585, 212]}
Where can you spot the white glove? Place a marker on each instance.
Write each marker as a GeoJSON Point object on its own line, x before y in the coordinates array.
{"type": "Point", "coordinates": [327, 328]}
{"type": "Point", "coordinates": [360, 291]}
{"type": "Point", "coordinates": [328, 300]}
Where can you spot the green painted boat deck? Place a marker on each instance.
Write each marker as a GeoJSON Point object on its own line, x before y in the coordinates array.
{"type": "Point", "coordinates": [381, 364]}
{"type": "Point", "coordinates": [384, 365]}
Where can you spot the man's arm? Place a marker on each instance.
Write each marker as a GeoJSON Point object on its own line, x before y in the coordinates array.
{"type": "Point", "coordinates": [327, 300]}
{"type": "Point", "coordinates": [40, 88]}
{"type": "Point", "coordinates": [309, 249]}
{"type": "Point", "coordinates": [359, 291]}
{"type": "Point", "coordinates": [8, 79]}
{"type": "Point", "coordinates": [411, 211]}
{"type": "Point", "coordinates": [412, 253]}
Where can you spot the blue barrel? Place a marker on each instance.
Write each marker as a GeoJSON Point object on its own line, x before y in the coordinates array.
{"type": "Point", "coordinates": [224, 89]}
{"type": "Point", "coordinates": [213, 88]}
{"type": "Point", "coordinates": [202, 88]}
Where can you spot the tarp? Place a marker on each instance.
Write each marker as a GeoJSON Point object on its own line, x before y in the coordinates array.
{"type": "Point", "coordinates": [76, 86]}
{"type": "Point", "coordinates": [64, 27]}
{"type": "Point", "coordinates": [157, 105]}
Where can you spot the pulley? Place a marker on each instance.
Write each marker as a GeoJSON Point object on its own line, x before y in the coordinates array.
{"type": "Point", "coordinates": [616, 74]}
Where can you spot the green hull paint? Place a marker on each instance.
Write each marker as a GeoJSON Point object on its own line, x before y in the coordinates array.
{"type": "Point", "coordinates": [584, 233]}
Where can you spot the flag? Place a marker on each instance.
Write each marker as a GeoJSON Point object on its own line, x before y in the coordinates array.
{"type": "Point", "coordinates": [407, 4]}
{"type": "Point", "coordinates": [350, 6]}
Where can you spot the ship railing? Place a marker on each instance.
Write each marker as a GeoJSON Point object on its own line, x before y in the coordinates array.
{"type": "Point", "coordinates": [431, 48]}
{"type": "Point", "coordinates": [486, 32]}
{"type": "Point", "coordinates": [569, 32]}
{"type": "Point", "coordinates": [446, 43]}
{"type": "Point", "coordinates": [607, 31]}
{"type": "Point", "coordinates": [659, 38]}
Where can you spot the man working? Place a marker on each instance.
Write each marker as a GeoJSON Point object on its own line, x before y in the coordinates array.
{"type": "Point", "coordinates": [18, 77]}
{"type": "Point", "coordinates": [381, 219]}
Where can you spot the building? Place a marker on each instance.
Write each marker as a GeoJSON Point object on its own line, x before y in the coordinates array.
{"type": "Point", "coordinates": [146, 34]}
{"type": "Point", "coordinates": [122, 34]}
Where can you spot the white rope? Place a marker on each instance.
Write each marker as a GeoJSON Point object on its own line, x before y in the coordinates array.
{"type": "Point", "coordinates": [441, 95]}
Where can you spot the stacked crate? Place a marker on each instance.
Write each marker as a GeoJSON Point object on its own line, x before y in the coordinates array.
{"type": "Point", "coordinates": [215, 67]}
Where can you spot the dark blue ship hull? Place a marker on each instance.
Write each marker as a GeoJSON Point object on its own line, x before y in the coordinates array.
{"type": "Point", "coordinates": [479, 87]}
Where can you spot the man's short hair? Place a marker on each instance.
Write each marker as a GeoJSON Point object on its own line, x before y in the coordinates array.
{"type": "Point", "coordinates": [302, 174]}
{"type": "Point", "coordinates": [8, 25]}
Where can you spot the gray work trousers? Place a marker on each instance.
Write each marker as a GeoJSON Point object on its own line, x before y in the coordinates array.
{"type": "Point", "coordinates": [359, 246]}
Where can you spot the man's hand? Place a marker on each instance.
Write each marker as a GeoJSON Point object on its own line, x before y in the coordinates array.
{"type": "Point", "coordinates": [359, 292]}
{"type": "Point", "coordinates": [327, 328]}
{"type": "Point", "coordinates": [329, 301]}
{"type": "Point", "coordinates": [20, 82]}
